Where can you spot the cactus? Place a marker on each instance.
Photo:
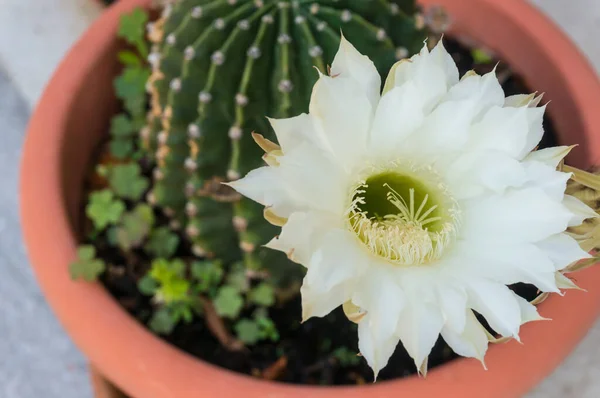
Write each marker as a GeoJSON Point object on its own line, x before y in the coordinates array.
{"type": "Point", "coordinates": [218, 68]}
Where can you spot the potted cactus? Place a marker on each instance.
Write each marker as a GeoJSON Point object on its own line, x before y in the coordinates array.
{"type": "Point", "coordinates": [176, 257]}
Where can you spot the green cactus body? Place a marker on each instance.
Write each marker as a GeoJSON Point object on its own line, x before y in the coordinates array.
{"type": "Point", "coordinates": [220, 67]}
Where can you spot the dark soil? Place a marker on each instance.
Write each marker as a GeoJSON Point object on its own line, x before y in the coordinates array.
{"type": "Point", "coordinates": [306, 348]}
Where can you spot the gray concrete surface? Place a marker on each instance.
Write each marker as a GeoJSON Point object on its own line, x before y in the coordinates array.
{"type": "Point", "coordinates": [37, 360]}
{"type": "Point", "coordinates": [45, 31]}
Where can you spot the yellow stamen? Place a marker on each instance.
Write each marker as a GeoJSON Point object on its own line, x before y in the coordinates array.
{"type": "Point", "coordinates": [415, 231]}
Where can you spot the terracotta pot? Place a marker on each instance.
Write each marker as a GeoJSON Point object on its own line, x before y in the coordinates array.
{"type": "Point", "coordinates": [101, 387]}
{"type": "Point", "coordinates": [73, 115]}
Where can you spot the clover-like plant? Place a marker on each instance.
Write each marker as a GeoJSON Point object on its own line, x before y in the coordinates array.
{"type": "Point", "coordinates": [87, 266]}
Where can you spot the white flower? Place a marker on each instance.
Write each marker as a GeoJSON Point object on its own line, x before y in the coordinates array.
{"type": "Point", "coordinates": [416, 207]}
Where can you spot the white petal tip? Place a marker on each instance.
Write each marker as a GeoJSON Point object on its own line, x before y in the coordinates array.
{"type": "Point", "coordinates": [566, 283]}
{"type": "Point", "coordinates": [517, 338]}
{"type": "Point", "coordinates": [306, 313]}
{"type": "Point", "coordinates": [343, 41]}
{"type": "Point", "coordinates": [375, 375]}
{"type": "Point", "coordinates": [422, 368]}
{"type": "Point", "coordinates": [483, 363]}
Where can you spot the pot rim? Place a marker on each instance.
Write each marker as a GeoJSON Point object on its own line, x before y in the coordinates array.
{"type": "Point", "coordinates": [513, 368]}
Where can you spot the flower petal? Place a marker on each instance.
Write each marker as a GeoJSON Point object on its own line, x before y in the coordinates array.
{"type": "Point", "coordinates": [293, 131]}
{"type": "Point", "coordinates": [472, 342]}
{"type": "Point", "coordinates": [302, 171]}
{"type": "Point", "coordinates": [579, 210]}
{"type": "Point", "coordinates": [445, 129]}
{"type": "Point", "coordinates": [529, 311]}
{"type": "Point", "coordinates": [547, 178]}
{"type": "Point", "coordinates": [302, 234]}
{"type": "Point", "coordinates": [292, 186]}
{"type": "Point", "coordinates": [484, 90]}
{"type": "Point", "coordinates": [453, 301]}
{"type": "Point", "coordinates": [264, 186]}
{"type": "Point", "coordinates": [339, 258]}
{"type": "Point", "coordinates": [497, 304]}
{"type": "Point", "coordinates": [564, 282]}
{"type": "Point", "coordinates": [563, 250]}
{"type": "Point", "coordinates": [525, 215]}
{"type": "Point", "coordinates": [535, 118]}
{"type": "Point", "coordinates": [429, 73]}
{"type": "Point", "coordinates": [505, 263]}
{"type": "Point", "coordinates": [440, 55]}
{"type": "Point", "coordinates": [518, 100]}
{"type": "Point", "coordinates": [501, 129]}
{"type": "Point", "coordinates": [549, 156]}
{"type": "Point", "coordinates": [319, 303]}
{"type": "Point", "coordinates": [342, 116]}
{"type": "Point", "coordinates": [348, 62]}
{"type": "Point", "coordinates": [377, 353]}
{"type": "Point", "coordinates": [399, 113]}
{"type": "Point", "coordinates": [383, 309]}
{"type": "Point", "coordinates": [379, 294]}
{"type": "Point", "coordinates": [377, 338]}
{"type": "Point", "coordinates": [474, 172]}
{"type": "Point", "coordinates": [418, 328]}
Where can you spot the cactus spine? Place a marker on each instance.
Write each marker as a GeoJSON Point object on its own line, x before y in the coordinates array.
{"type": "Point", "coordinates": [220, 67]}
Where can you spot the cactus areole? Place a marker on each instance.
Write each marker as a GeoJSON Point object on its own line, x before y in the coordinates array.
{"type": "Point", "coordinates": [221, 66]}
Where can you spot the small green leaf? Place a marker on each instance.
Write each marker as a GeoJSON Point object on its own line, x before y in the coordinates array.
{"type": "Point", "coordinates": [130, 58]}
{"type": "Point", "coordinates": [260, 312]}
{"type": "Point", "coordinates": [346, 357]}
{"type": "Point", "coordinates": [132, 28]}
{"type": "Point", "coordinates": [228, 302]}
{"type": "Point", "coordinates": [262, 294]}
{"type": "Point", "coordinates": [121, 126]}
{"type": "Point", "coordinates": [130, 87]}
{"type": "Point", "coordinates": [135, 226]}
{"type": "Point", "coordinates": [132, 82]}
{"type": "Point", "coordinates": [164, 270]}
{"type": "Point", "coordinates": [162, 321]}
{"type": "Point", "coordinates": [135, 105]}
{"type": "Point", "coordinates": [162, 243]}
{"type": "Point", "coordinates": [480, 56]}
{"type": "Point", "coordinates": [237, 277]}
{"type": "Point", "coordinates": [208, 275]}
{"type": "Point", "coordinates": [170, 275]}
{"type": "Point", "coordinates": [112, 236]}
{"type": "Point", "coordinates": [121, 148]}
{"type": "Point", "coordinates": [104, 209]}
{"type": "Point", "coordinates": [147, 285]}
{"type": "Point", "coordinates": [138, 155]}
{"type": "Point", "coordinates": [126, 180]}
{"type": "Point", "coordinates": [175, 290]}
{"type": "Point", "coordinates": [182, 310]}
{"type": "Point", "coordinates": [267, 327]}
{"type": "Point", "coordinates": [87, 266]}
{"type": "Point", "coordinates": [247, 331]}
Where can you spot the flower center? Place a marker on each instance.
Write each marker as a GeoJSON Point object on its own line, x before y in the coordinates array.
{"type": "Point", "coordinates": [406, 218]}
